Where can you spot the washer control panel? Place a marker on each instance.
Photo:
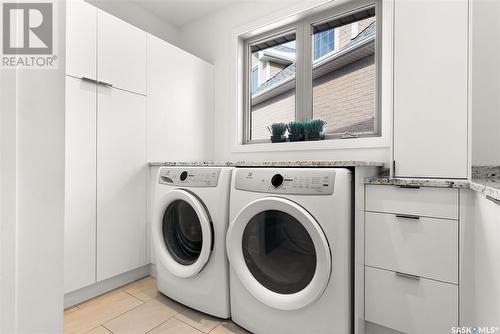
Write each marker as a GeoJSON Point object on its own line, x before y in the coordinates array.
{"type": "Point", "coordinates": [292, 181]}
{"type": "Point", "coordinates": [189, 177]}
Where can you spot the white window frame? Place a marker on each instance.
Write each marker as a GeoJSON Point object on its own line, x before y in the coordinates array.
{"type": "Point", "coordinates": [304, 82]}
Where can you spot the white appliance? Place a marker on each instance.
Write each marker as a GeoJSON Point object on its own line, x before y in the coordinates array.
{"type": "Point", "coordinates": [188, 232]}
{"type": "Point", "coordinates": [289, 246]}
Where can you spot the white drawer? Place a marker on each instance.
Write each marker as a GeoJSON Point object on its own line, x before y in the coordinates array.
{"type": "Point", "coordinates": [409, 305]}
{"type": "Point", "coordinates": [425, 247]}
{"type": "Point", "coordinates": [425, 201]}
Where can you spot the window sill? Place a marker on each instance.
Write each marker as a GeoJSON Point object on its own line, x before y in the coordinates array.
{"type": "Point", "coordinates": [327, 144]}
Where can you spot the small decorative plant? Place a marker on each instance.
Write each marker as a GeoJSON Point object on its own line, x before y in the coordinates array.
{"type": "Point", "coordinates": [295, 130]}
{"type": "Point", "coordinates": [313, 129]}
{"type": "Point", "coordinates": [277, 131]}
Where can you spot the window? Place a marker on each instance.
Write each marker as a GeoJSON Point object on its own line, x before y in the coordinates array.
{"type": "Point", "coordinates": [255, 78]}
{"type": "Point", "coordinates": [273, 98]}
{"type": "Point", "coordinates": [320, 67]}
{"type": "Point", "coordinates": [323, 43]}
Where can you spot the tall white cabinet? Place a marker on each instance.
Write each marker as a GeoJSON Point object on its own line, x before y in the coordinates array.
{"type": "Point", "coordinates": [129, 97]}
{"type": "Point", "coordinates": [121, 182]}
{"type": "Point", "coordinates": [430, 88]}
{"type": "Point", "coordinates": [105, 215]}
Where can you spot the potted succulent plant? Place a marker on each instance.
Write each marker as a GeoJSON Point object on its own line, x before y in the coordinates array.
{"type": "Point", "coordinates": [277, 131]}
{"type": "Point", "coordinates": [295, 130]}
{"type": "Point", "coordinates": [313, 129]}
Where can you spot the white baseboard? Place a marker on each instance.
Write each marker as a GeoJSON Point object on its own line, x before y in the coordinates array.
{"type": "Point", "coordinates": [94, 290]}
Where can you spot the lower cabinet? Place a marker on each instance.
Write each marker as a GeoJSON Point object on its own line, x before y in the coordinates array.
{"type": "Point", "coordinates": [410, 304]}
{"type": "Point", "coordinates": [121, 182]}
{"type": "Point", "coordinates": [411, 258]}
{"type": "Point", "coordinates": [80, 185]}
{"type": "Point", "coordinates": [105, 194]}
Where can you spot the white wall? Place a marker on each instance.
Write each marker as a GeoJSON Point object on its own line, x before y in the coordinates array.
{"type": "Point", "coordinates": [212, 38]}
{"type": "Point", "coordinates": [485, 95]}
{"type": "Point", "coordinates": [140, 18]}
{"type": "Point", "coordinates": [32, 202]}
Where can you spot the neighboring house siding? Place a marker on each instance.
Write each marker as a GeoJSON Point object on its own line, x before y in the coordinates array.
{"type": "Point", "coordinates": [344, 98]}
{"type": "Point", "coordinates": [275, 68]}
{"type": "Point", "coordinates": [278, 109]}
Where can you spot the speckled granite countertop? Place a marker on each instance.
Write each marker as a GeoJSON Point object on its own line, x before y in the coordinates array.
{"type": "Point", "coordinates": [284, 163]}
{"type": "Point", "coordinates": [489, 187]}
{"type": "Point", "coordinates": [418, 182]}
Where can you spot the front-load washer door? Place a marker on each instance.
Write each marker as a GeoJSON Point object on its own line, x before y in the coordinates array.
{"type": "Point", "coordinates": [182, 233]}
{"type": "Point", "coordinates": [279, 252]}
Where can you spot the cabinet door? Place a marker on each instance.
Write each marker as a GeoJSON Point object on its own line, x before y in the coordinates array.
{"type": "Point", "coordinates": [80, 192]}
{"type": "Point", "coordinates": [179, 89]}
{"type": "Point", "coordinates": [430, 88]}
{"type": "Point", "coordinates": [121, 182]}
{"type": "Point", "coordinates": [81, 39]}
{"type": "Point", "coordinates": [122, 54]}
{"type": "Point", "coordinates": [487, 260]}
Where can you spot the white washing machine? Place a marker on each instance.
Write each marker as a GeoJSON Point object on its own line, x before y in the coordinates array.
{"type": "Point", "coordinates": [188, 234]}
{"type": "Point", "coordinates": [289, 247]}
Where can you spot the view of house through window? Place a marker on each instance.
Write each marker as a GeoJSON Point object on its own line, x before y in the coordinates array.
{"type": "Point", "coordinates": [273, 89]}
{"type": "Point", "coordinates": [344, 76]}
{"type": "Point", "coordinates": [344, 90]}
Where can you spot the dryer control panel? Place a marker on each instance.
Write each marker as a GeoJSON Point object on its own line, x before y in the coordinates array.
{"type": "Point", "coordinates": [189, 177]}
{"type": "Point", "coordinates": [292, 181]}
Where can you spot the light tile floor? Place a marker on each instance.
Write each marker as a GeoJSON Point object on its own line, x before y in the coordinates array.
{"type": "Point", "coordinates": [139, 308]}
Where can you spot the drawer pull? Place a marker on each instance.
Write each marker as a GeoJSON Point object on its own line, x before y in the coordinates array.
{"type": "Point", "coordinates": [399, 274]}
{"type": "Point", "coordinates": [88, 79]}
{"type": "Point", "coordinates": [409, 186]}
{"type": "Point", "coordinates": [408, 217]}
{"type": "Point", "coordinates": [494, 200]}
{"type": "Point", "coordinates": [105, 84]}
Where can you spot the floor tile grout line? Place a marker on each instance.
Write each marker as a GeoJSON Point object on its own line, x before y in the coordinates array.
{"type": "Point", "coordinates": [199, 330]}
{"type": "Point", "coordinates": [139, 299]}
{"type": "Point", "coordinates": [160, 324]}
{"type": "Point", "coordinates": [108, 329]}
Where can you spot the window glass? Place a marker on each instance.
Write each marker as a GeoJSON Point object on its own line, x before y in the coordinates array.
{"type": "Point", "coordinates": [344, 74]}
{"type": "Point", "coordinates": [279, 252]}
{"type": "Point", "coordinates": [273, 94]}
{"type": "Point", "coordinates": [182, 232]}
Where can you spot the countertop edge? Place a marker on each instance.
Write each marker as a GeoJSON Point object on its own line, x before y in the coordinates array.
{"type": "Point", "coordinates": [283, 163]}
{"type": "Point", "coordinates": [489, 187]}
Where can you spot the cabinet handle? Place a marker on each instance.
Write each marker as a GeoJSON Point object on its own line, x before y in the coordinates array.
{"type": "Point", "coordinates": [494, 200]}
{"type": "Point", "coordinates": [408, 217]}
{"type": "Point", "coordinates": [104, 83]}
{"type": "Point", "coordinates": [409, 186]}
{"type": "Point", "coordinates": [88, 79]}
{"type": "Point", "coordinates": [415, 277]}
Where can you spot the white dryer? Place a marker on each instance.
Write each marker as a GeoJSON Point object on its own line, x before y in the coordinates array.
{"type": "Point", "coordinates": [289, 247]}
{"type": "Point", "coordinates": [188, 234]}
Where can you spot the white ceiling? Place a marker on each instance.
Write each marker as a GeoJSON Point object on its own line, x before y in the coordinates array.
{"type": "Point", "coordinates": [181, 12]}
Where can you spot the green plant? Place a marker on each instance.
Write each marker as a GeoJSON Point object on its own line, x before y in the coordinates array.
{"type": "Point", "coordinates": [314, 126]}
{"type": "Point", "coordinates": [277, 129]}
{"type": "Point", "coordinates": [295, 128]}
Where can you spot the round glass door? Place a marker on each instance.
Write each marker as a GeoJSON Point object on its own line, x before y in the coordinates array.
{"type": "Point", "coordinates": [182, 233]}
{"type": "Point", "coordinates": [279, 252]}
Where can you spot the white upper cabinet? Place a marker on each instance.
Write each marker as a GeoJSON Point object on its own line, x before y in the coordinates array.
{"type": "Point", "coordinates": [122, 57]}
{"type": "Point", "coordinates": [430, 88]}
{"type": "Point", "coordinates": [121, 182]}
{"type": "Point", "coordinates": [81, 39]}
{"type": "Point", "coordinates": [180, 102]}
